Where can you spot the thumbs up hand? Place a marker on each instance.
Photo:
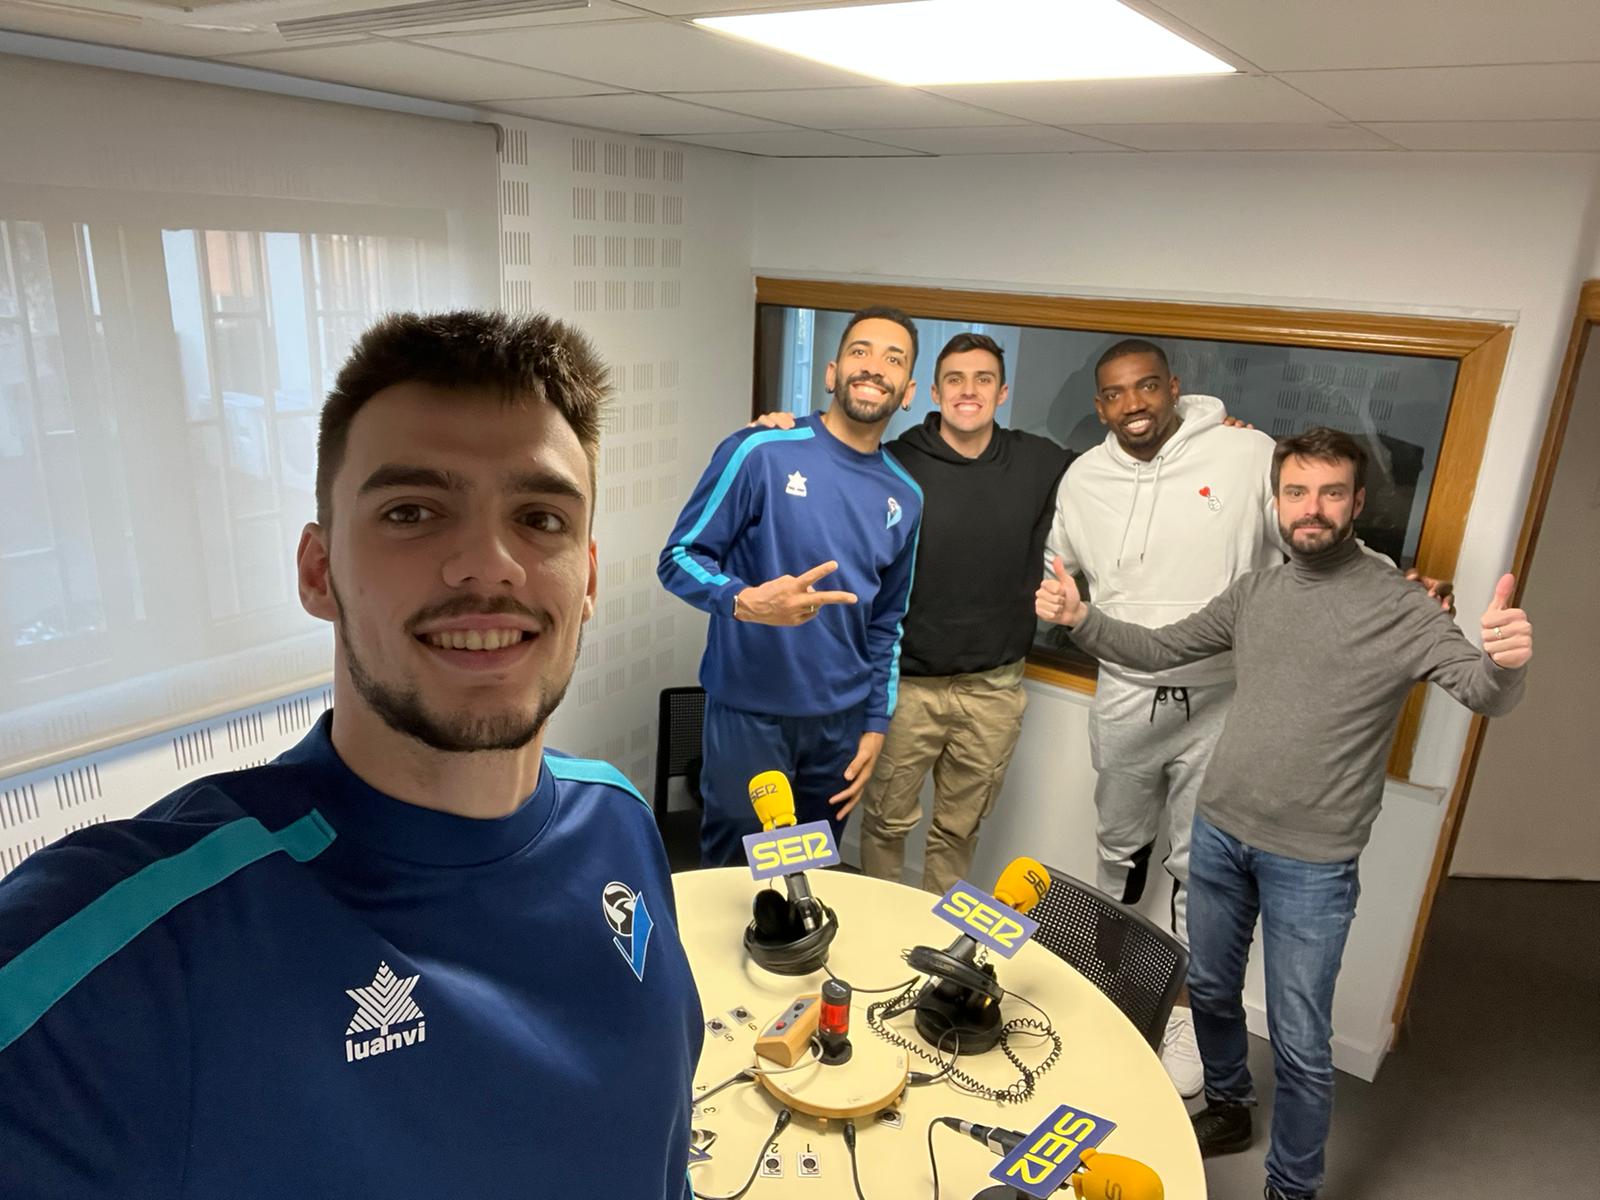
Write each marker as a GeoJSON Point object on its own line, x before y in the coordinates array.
{"type": "Point", "coordinates": [1057, 600]}
{"type": "Point", "coordinates": [1507, 634]}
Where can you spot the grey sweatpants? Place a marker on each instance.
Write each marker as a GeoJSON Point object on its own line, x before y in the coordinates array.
{"type": "Point", "coordinates": [1150, 751]}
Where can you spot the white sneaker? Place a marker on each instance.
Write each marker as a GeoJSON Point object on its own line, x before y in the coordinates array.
{"type": "Point", "coordinates": [1180, 1056]}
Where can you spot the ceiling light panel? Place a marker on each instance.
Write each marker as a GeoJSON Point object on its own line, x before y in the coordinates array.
{"type": "Point", "coordinates": [978, 41]}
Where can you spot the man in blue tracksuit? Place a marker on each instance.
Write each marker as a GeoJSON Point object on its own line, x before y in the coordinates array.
{"type": "Point", "coordinates": [418, 954]}
{"type": "Point", "coordinates": [800, 543]}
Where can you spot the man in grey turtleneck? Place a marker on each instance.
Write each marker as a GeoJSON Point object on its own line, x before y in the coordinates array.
{"type": "Point", "coordinates": [1326, 648]}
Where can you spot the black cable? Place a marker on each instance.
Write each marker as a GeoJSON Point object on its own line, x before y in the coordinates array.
{"type": "Point", "coordinates": [919, 1077]}
{"type": "Point", "coordinates": [850, 1141]}
{"type": "Point", "coordinates": [899, 987]}
{"type": "Point", "coordinates": [933, 1163]}
{"type": "Point", "coordinates": [741, 1077]}
{"type": "Point", "coordinates": [778, 1127]}
{"type": "Point", "coordinates": [1015, 1093]}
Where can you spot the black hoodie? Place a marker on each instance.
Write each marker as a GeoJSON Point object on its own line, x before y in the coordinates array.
{"type": "Point", "coordinates": [981, 552]}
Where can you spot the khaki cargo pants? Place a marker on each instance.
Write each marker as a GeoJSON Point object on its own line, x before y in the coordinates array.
{"type": "Point", "coordinates": [963, 728]}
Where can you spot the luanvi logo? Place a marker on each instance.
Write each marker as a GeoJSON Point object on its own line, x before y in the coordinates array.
{"type": "Point", "coordinates": [384, 1003]}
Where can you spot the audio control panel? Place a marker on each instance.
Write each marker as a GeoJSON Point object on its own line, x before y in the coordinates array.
{"type": "Point", "coordinates": [788, 1035]}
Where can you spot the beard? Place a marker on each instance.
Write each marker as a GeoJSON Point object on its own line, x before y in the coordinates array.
{"type": "Point", "coordinates": [1341, 535]}
{"type": "Point", "coordinates": [403, 710]}
{"type": "Point", "coordinates": [862, 413]}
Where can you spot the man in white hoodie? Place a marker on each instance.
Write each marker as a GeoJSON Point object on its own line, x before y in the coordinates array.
{"type": "Point", "coordinates": [1159, 518]}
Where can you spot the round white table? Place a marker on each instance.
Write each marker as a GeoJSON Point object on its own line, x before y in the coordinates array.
{"type": "Point", "coordinates": [1105, 1067]}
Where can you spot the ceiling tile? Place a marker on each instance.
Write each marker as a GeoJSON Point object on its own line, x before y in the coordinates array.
{"type": "Point", "coordinates": [1301, 135]}
{"type": "Point", "coordinates": [418, 71]}
{"type": "Point", "coordinates": [796, 143]}
{"type": "Point", "coordinates": [852, 108]}
{"type": "Point", "coordinates": [704, 8]}
{"type": "Point", "coordinates": [149, 36]}
{"type": "Point", "coordinates": [1014, 139]}
{"type": "Point", "coordinates": [1227, 98]}
{"type": "Point", "coordinates": [1492, 135]}
{"type": "Point", "coordinates": [648, 56]}
{"type": "Point", "coordinates": [1278, 36]}
{"type": "Point", "coordinates": [635, 113]}
{"type": "Point", "coordinates": [598, 10]}
{"type": "Point", "coordinates": [1516, 93]}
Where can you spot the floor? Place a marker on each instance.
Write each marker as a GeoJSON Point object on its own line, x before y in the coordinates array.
{"type": "Point", "coordinates": [1493, 1088]}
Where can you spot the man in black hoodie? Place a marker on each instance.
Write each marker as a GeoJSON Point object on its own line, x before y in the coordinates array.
{"type": "Point", "coordinates": [988, 499]}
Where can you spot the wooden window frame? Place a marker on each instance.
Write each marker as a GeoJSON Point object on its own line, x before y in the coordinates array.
{"type": "Point", "coordinates": [1477, 347]}
{"type": "Point", "coordinates": [1586, 317]}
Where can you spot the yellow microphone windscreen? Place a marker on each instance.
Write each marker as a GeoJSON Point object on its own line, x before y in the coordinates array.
{"type": "Point", "coordinates": [1113, 1177]}
{"type": "Point", "coordinates": [1022, 884]}
{"type": "Point", "coordinates": [772, 796]}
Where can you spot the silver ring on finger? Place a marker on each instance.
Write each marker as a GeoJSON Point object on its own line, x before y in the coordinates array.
{"type": "Point", "coordinates": [1497, 631]}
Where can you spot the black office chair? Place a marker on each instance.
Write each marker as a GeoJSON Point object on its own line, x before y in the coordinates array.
{"type": "Point", "coordinates": [679, 724]}
{"type": "Point", "coordinates": [1135, 962]}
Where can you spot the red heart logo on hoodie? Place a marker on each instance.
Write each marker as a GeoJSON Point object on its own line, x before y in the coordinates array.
{"type": "Point", "coordinates": [1205, 491]}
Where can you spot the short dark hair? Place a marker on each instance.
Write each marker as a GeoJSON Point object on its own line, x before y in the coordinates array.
{"type": "Point", "coordinates": [1129, 346]}
{"type": "Point", "coordinates": [880, 312]}
{"type": "Point", "coordinates": [519, 356]}
{"type": "Point", "coordinates": [1320, 444]}
{"type": "Point", "coordinates": [961, 343]}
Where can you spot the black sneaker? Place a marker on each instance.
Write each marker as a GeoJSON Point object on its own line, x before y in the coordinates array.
{"type": "Point", "coordinates": [1222, 1128]}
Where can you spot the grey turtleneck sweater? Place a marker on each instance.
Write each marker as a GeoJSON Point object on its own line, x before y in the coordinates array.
{"type": "Point", "coordinates": [1326, 650]}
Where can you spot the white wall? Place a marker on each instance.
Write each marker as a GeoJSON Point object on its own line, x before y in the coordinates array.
{"type": "Point", "coordinates": [647, 248]}
{"type": "Point", "coordinates": [1500, 237]}
{"type": "Point", "coordinates": [1533, 811]}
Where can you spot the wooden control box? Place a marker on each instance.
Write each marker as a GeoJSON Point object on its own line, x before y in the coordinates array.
{"type": "Point", "coordinates": [787, 1037]}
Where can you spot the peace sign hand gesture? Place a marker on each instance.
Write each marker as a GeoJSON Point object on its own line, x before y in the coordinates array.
{"type": "Point", "coordinates": [789, 599]}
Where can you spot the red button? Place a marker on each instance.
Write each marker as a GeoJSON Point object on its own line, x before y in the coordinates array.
{"type": "Point", "coordinates": [780, 1024]}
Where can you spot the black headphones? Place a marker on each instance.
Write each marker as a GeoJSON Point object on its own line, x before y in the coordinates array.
{"type": "Point", "coordinates": [961, 1011]}
{"type": "Point", "coordinates": [778, 940]}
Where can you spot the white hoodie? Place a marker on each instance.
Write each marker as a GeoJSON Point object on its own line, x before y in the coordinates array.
{"type": "Point", "coordinates": [1158, 540]}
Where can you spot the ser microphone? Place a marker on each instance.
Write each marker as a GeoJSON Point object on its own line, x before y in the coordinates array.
{"type": "Point", "coordinates": [960, 998]}
{"type": "Point", "coordinates": [1099, 1176]}
{"type": "Point", "coordinates": [788, 936]}
{"type": "Point", "coordinates": [772, 796]}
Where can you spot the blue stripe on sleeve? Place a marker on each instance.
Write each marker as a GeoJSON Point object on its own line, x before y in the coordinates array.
{"type": "Point", "coordinates": [60, 960]}
{"type": "Point", "coordinates": [900, 625]}
{"type": "Point", "coordinates": [911, 579]}
{"type": "Point", "coordinates": [591, 770]}
{"type": "Point", "coordinates": [681, 556]}
{"type": "Point", "coordinates": [680, 552]}
{"type": "Point", "coordinates": [901, 471]}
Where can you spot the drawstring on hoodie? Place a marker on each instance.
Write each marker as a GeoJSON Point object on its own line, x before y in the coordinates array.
{"type": "Point", "coordinates": [1150, 515]}
{"type": "Point", "coordinates": [1179, 695]}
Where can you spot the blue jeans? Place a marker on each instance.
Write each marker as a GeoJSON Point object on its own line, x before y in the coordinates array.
{"type": "Point", "coordinates": [1305, 911]}
{"type": "Point", "coordinates": [737, 745]}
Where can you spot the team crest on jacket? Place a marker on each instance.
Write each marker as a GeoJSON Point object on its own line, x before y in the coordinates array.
{"type": "Point", "coordinates": [894, 513]}
{"type": "Point", "coordinates": [629, 918]}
